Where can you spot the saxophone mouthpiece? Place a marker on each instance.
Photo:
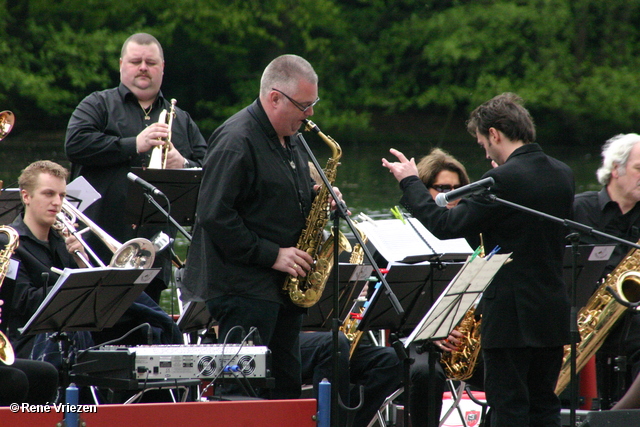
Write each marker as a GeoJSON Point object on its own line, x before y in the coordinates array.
{"type": "Point", "coordinates": [310, 126]}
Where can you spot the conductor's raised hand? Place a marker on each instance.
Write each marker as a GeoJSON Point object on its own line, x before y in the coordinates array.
{"type": "Point", "coordinates": [402, 168]}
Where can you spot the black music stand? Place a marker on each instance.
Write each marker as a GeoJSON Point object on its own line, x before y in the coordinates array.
{"type": "Point", "coordinates": [181, 187]}
{"type": "Point", "coordinates": [590, 265]}
{"type": "Point", "coordinates": [10, 204]}
{"type": "Point", "coordinates": [450, 307]}
{"type": "Point", "coordinates": [87, 299]}
{"type": "Point", "coordinates": [409, 282]}
{"type": "Point", "coordinates": [352, 278]}
{"type": "Point", "coordinates": [195, 317]}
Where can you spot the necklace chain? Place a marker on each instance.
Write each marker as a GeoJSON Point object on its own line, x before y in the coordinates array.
{"type": "Point", "coordinates": [147, 112]}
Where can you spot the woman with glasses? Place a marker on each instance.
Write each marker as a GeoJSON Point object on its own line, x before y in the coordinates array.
{"type": "Point", "coordinates": [441, 172]}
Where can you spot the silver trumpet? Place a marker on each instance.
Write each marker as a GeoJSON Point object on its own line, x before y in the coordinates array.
{"type": "Point", "coordinates": [135, 253]}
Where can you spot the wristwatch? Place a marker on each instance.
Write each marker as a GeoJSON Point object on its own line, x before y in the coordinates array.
{"type": "Point", "coordinates": [185, 165]}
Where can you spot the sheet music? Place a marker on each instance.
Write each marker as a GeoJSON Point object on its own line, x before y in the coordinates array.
{"type": "Point", "coordinates": [457, 298]}
{"type": "Point", "coordinates": [397, 241]}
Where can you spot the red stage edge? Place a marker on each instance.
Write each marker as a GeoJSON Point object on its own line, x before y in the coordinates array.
{"type": "Point", "coordinates": [260, 413]}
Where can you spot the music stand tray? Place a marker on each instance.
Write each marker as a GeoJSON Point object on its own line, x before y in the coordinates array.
{"type": "Point", "coordinates": [449, 309]}
{"type": "Point", "coordinates": [351, 278]}
{"type": "Point", "coordinates": [590, 265]}
{"type": "Point", "coordinates": [10, 203]}
{"type": "Point", "coordinates": [195, 317]}
{"type": "Point", "coordinates": [181, 186]}
{"type": "Point", "coordinates": [410, 283]}
{"type": "Point", "coordinates": [89, 299]}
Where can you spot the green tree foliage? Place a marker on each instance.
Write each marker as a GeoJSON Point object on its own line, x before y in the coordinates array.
{"type": "Point", "coordinates": [575, 62]}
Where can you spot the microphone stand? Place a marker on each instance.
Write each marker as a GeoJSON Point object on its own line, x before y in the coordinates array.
{"type": "Point", "coordinates": [152, 200]}
{"type": "Point", "coordinates": [342, 212]}
{"type": "Point", "coordinates": [575, 334]}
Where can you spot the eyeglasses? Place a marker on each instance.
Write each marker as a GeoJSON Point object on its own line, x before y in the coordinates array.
{"type": "Point", "coordinates": [299, 106]}
{"type": "Point", "coordinates": [445, 188]}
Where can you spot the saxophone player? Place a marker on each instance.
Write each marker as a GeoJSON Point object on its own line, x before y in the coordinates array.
{"type": "Point", "coordinates": [615, 210]}
{"type": "Point", "coordinates": [255, 196]}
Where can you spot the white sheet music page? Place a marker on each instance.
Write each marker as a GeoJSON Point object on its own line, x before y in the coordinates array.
{"type": "Point", "coordinates": [454, 302]}
{"type": "Point", "coordinates": [404, 242]}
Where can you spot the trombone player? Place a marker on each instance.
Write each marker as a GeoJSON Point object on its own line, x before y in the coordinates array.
{"type": "Point", "coordinates": [42, 189]}
{"type": "Point", "coordinates": [115, 129]}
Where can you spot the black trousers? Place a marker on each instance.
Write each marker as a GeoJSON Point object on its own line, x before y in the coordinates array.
{"type": "Point", "coordinates": [377, 369]}
{"type": "Point", "coordinates": [29, 381]}
{"type": "Point", "coordinates": [520, 386]}
{"type": "Point", "coordinates": [277, 327]}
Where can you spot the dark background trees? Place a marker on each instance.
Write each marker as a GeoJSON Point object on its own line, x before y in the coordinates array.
{"type": "Point", "coordinates": [385, 66]}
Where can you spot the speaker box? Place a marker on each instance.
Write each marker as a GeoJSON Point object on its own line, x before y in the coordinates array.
{"type": "Point", "coordinates": [622, 418]}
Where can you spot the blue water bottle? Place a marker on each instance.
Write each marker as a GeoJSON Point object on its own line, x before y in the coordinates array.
{"type": "Point", "coordinates": [71, 399]}
{"type": "Point", "coordinates": [324, 403]}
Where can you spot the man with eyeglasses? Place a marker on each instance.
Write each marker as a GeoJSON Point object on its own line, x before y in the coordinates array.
{"type": "Point", "coordinates": [255, 196]}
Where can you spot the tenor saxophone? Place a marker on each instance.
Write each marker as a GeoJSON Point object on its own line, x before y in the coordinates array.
{"type": "Point", "coordinates": [7, 355]}
{"type": "Point", "coordinates": [601, 313]}
{"type": "Point", "coordinates": [306, 291]}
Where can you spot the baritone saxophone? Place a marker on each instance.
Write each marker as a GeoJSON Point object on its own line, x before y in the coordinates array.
{"type": "Point", "coordinates": [601, 313]}
{"type": "Point", "coordinates": [306, 291]}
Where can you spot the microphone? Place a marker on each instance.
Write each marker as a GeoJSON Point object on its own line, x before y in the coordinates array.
{"type": "Point", "coordinates": [135, 178]}
{"type": "Point", "coordinates": [474, 188]}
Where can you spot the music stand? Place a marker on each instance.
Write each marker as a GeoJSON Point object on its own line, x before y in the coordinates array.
{"type": "Point", "coordinates": [352, 278]}
{"type": "Point", "coordinates": [181, 186]}
{"type": "Point", "coordinates": [590, 264]}
{"type": "Point", "coordinates": [451, 306]}
{"type": "Point", "coordinates": [10, 204]}
{"type": "Point", "coordinates": [409, 282]}
{"type": "Point", "coordinates": [88, 299]}
{"type": "Point", "coordinates": [195, 317]}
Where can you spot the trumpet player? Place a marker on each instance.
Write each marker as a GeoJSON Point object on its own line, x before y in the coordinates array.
{"type": "Point", "coordinates": [115, 129]}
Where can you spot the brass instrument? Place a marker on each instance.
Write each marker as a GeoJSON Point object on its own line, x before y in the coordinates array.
{"type": "Point", "coordinates": [135, 253]}
{"type": "Point", "coordinates": [351, 321]}
{"type": "Point", "coordinates": [7, 356]}
{"type": "Point", "coordinates": [306, 291]}
{"type": "Point", "coordinates": [7, 119]}
{"type": "Point", "coordinates": [159, 153]}
{"type": "Point", "coordinates": [350, 325]}
{"type": "Point", "coordinates": [601, 313]}
{"type": "Point", "coordinates": [460, 364]}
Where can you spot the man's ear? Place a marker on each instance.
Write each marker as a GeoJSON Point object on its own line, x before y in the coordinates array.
{"type": "Point", "coordinates": [25, 196]}
{"type": "Point", "coordinates": [614, 172]}
{"type": "Point", "coordinates": [494, 135]}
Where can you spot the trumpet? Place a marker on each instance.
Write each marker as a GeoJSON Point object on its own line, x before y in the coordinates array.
{"type": "Point", "coordinates": [135, 253]}
{"type": "Point", "coordinates": [159, 153]}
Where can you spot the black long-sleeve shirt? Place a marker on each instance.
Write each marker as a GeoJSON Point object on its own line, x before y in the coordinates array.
{"type": "Point", "coordinates": [101, 144]}
{"type": "Point", "coordinates": [252, 202]}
